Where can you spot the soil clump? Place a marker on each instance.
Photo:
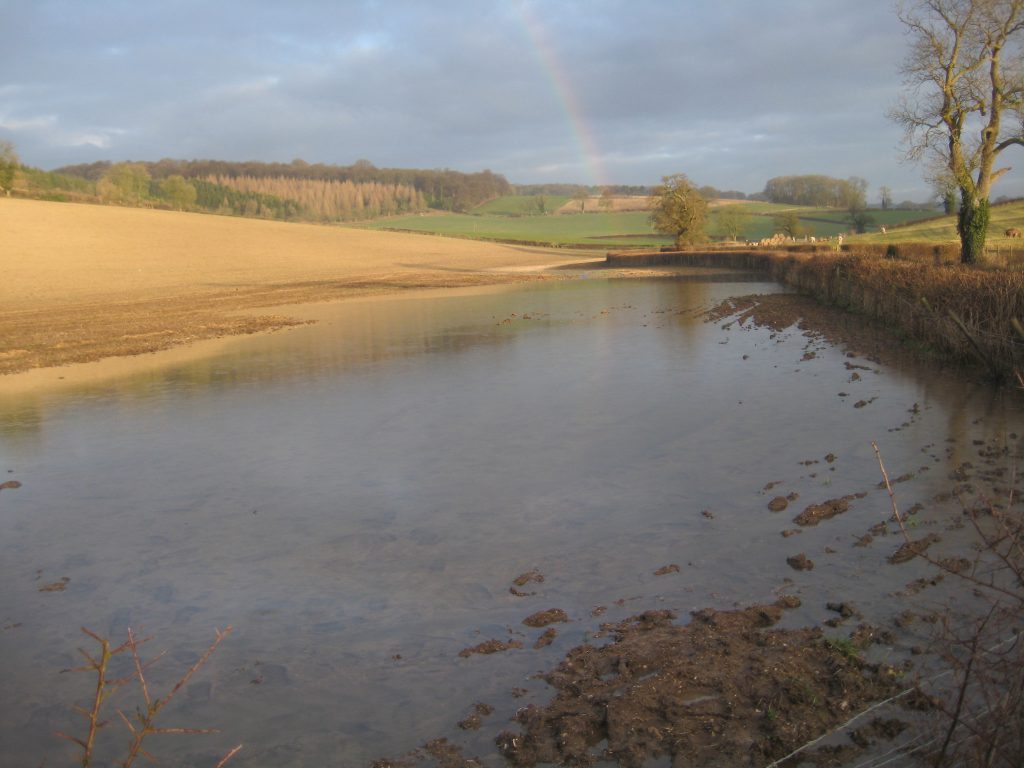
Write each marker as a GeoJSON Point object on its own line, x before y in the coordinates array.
{"type": "Point", "coordinates": [724, 690]}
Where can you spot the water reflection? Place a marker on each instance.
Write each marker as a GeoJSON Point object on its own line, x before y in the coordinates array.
{"type": "Point", "coordinates": [355, 496]}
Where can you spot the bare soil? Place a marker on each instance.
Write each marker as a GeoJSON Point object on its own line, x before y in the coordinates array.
{"type": "Point", "coordinates": [725, 689]}
{"type": "Point", "coordinates": [87, 282]}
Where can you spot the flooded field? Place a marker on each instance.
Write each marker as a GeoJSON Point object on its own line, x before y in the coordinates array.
{"type": "Point", "coordinates": [359, 498]}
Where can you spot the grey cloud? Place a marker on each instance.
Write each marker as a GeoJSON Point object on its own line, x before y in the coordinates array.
{"type": "Point", "coordinates": [730, 93]}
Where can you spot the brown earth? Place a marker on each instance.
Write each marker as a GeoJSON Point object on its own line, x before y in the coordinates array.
{"type": "Point", "coordinates": [86, 282]}
{"type": "Point", "coordinates": [618, 205]}
{"type": "Point", "coordinates": [727, 689]}
{"type": "Point", "coordinates": [724, 690]}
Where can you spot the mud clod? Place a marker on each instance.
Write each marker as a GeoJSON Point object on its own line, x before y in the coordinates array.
{"type": "Point", "coordinates": [543, 618]}
{"type": "Point", "coordinates": [815, 513]}
{"type": "Point", "coordinates": [800, 562]}
{"type": "Point", "coordinates": [912, 549]}
{"type": "Point", "coordinates": [532, 576]}
{"type": "Point", "coordinates": [57, 586]}
{"type": "Point", "coordinates": [546, 639]}
{"type": "Point", "coordinates": [490, 646]}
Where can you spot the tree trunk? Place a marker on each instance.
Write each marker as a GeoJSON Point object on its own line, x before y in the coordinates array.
{"type": "Point", "coordinates": [972, 225]}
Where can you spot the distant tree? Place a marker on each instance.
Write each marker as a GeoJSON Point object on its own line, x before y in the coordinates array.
{"type": "Point", "coordinates": [788, 224]}
{"type": "Point", "coordinates": [540, 202]}
{"type": "Point", "coordinates": [962, 78]}
{"type": "Point", "coordinates": [580, 196]}
{"type": "Point", "coordinates": [9, 163]}
{"type": "Point", "coordinates": [677, 209]}
{"type": "Point", "coordinates": [854, 194]}
{"type": "Point", "coordinates": [944, 185]}
{"type": "Point", "coordinates": [732, 220]}
{"type": "Point", "coordinates": [861, 220]}
{"type": "Point", "coordinates": [886, 195]}
{"type": "Point", "coordinates": [607, 200]}
{"type": "Point", "coordinates": [125, 183]}
{"type": "Point", "coordinates": [178, 192]}
{"type": "Point", "coordinates": [814, 190]}
{"type": "Point", "coordinates": [855, 200]}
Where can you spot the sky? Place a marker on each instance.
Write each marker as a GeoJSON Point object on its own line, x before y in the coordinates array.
{"type": "Point", "coordinates": [729, 92]}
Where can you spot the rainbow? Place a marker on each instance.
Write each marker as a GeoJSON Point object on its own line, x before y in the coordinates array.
{"type": "Point", "coordinates": [575, 116]}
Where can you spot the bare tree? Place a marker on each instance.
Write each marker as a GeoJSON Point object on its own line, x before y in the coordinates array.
{"type": "Point", "coordinates": [580, 196]}
{"type": "Point", "coordinates": [963, 98]}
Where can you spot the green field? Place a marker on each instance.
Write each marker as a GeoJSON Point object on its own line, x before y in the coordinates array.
{"type": "Point", "coordinates": [520, 205]}
{"type": "Point", "coordinates": [817, 222]}
{"type": "Point", "coordinates": [595, 230]}
{"type": "Point", "coordinates": [510, 219]}
{"type": "Point", "coordinates": [943, 228]}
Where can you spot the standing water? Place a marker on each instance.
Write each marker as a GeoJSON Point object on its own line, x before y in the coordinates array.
{"type": "Point", "coordinates": [357, 496]}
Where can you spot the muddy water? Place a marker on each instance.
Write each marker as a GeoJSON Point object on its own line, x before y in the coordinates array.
{"type": "Point", "coordinates": [357, 496]}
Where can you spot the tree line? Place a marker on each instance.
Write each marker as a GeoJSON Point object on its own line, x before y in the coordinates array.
{"type": "Point", "coordinates": [441, 189]}
{"type": "Point", "coordinates": [327, 200]}
{"type": "Point", "coordinates": [817, 191]}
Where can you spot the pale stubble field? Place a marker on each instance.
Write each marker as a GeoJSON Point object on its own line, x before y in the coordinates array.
{"type": "Point", "coordinates": [83, 282]}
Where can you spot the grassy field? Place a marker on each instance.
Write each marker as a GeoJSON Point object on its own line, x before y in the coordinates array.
{"type": "Point", "coordinates": [817, 222]}
{"type": "Point", "coordinates": [593, 230]}
{"type": "Point", "coordinates": [942, 229]}
{"type": "Point", "coordinates": [519, 205]}
{"type": "Point", "coordinates": [514, 218]}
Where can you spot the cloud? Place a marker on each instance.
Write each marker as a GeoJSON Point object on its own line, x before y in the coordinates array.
{"type": "Point", "coordinates": [730, 93]}
{"type": "Point", "coordinates": [38, 123]}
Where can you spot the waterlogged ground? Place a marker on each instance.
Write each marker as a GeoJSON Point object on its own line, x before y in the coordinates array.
{"type": "Point", "coordinates": [374, 499]}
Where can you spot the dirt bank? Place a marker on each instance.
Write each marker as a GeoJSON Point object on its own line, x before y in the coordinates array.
{"type": "Point", "coordinates": [86, 282]}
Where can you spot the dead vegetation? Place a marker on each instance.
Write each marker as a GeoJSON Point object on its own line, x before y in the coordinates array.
{"type": "Point", "coordinates": [141, 720]}
{"type": "Point", "coordinates": [982, 710]}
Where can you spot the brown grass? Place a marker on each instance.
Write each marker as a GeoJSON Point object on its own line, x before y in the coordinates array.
{"type": "Point", "coordinates": [619, 204]}
{"type": "Point", "coordinates": [84, 282]}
